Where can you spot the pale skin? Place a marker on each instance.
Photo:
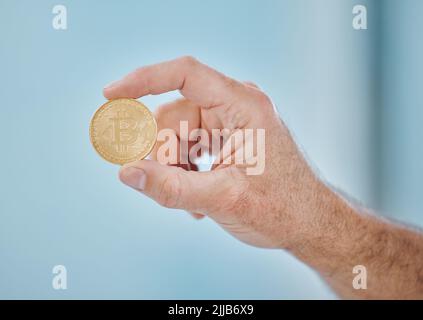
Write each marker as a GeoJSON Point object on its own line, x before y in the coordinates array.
{"type": "Point", "coordinates": [287, 207]}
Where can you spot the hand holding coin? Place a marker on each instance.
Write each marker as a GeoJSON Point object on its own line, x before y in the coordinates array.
{"type": "Point", "coordinates": [226, 193]}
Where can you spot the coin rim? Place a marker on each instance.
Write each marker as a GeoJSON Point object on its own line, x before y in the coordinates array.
{"type": "Point", "coordinates": [103, 106]}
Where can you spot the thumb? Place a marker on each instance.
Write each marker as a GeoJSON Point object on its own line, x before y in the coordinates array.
{"type": "Point", "coordinates": [174, 187]}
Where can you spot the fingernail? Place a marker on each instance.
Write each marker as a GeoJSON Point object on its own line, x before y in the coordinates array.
{"type": "Point", "coordinates": [111, 85]}
{"type": "Point", "coordinates": [133, 177]}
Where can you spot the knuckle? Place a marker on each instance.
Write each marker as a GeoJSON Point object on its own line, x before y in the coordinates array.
{"type": "Point", "coordinates": [189, 61]}
{"type": "Point", "coordinates": [230, 83]}
{"type": "Point", "coordinates": [262, 102]}
{"type": "Point", "coordinates": [264, 99]}
{"type": "Point", "coordinates": [251, 84]}
{"type": "Point", "coordinates": [170, 191]}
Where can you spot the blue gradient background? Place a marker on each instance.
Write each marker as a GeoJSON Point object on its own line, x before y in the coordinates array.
{"type": "Point", "coordinates": [352, 98]}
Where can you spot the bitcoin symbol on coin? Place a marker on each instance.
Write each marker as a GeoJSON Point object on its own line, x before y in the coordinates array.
{"type": "Point", "coordinates": [123, 130]}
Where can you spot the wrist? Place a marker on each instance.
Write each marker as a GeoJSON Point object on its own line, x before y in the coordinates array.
{"type": "Point", "coordinates": [325, 229]}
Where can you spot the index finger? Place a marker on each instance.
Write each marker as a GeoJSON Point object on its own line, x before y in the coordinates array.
{"type": "Point", "coordinates": [196, 81]}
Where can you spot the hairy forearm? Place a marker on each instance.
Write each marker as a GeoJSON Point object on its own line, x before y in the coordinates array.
{"type": "Point", "coordinates": [342, 237]}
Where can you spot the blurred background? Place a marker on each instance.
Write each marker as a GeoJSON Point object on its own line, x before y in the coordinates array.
{"type": "Point", "coordinates": [352, 98]}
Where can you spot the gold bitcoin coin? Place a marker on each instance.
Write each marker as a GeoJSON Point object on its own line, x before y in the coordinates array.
{"type": "Point", "coordinates": [123, 130]}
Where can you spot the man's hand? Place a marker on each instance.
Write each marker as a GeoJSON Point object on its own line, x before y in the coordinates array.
{"type": "Point", "coordinates": [262, 210]}
{"type": "Point", "coordinates": [286, 206]}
